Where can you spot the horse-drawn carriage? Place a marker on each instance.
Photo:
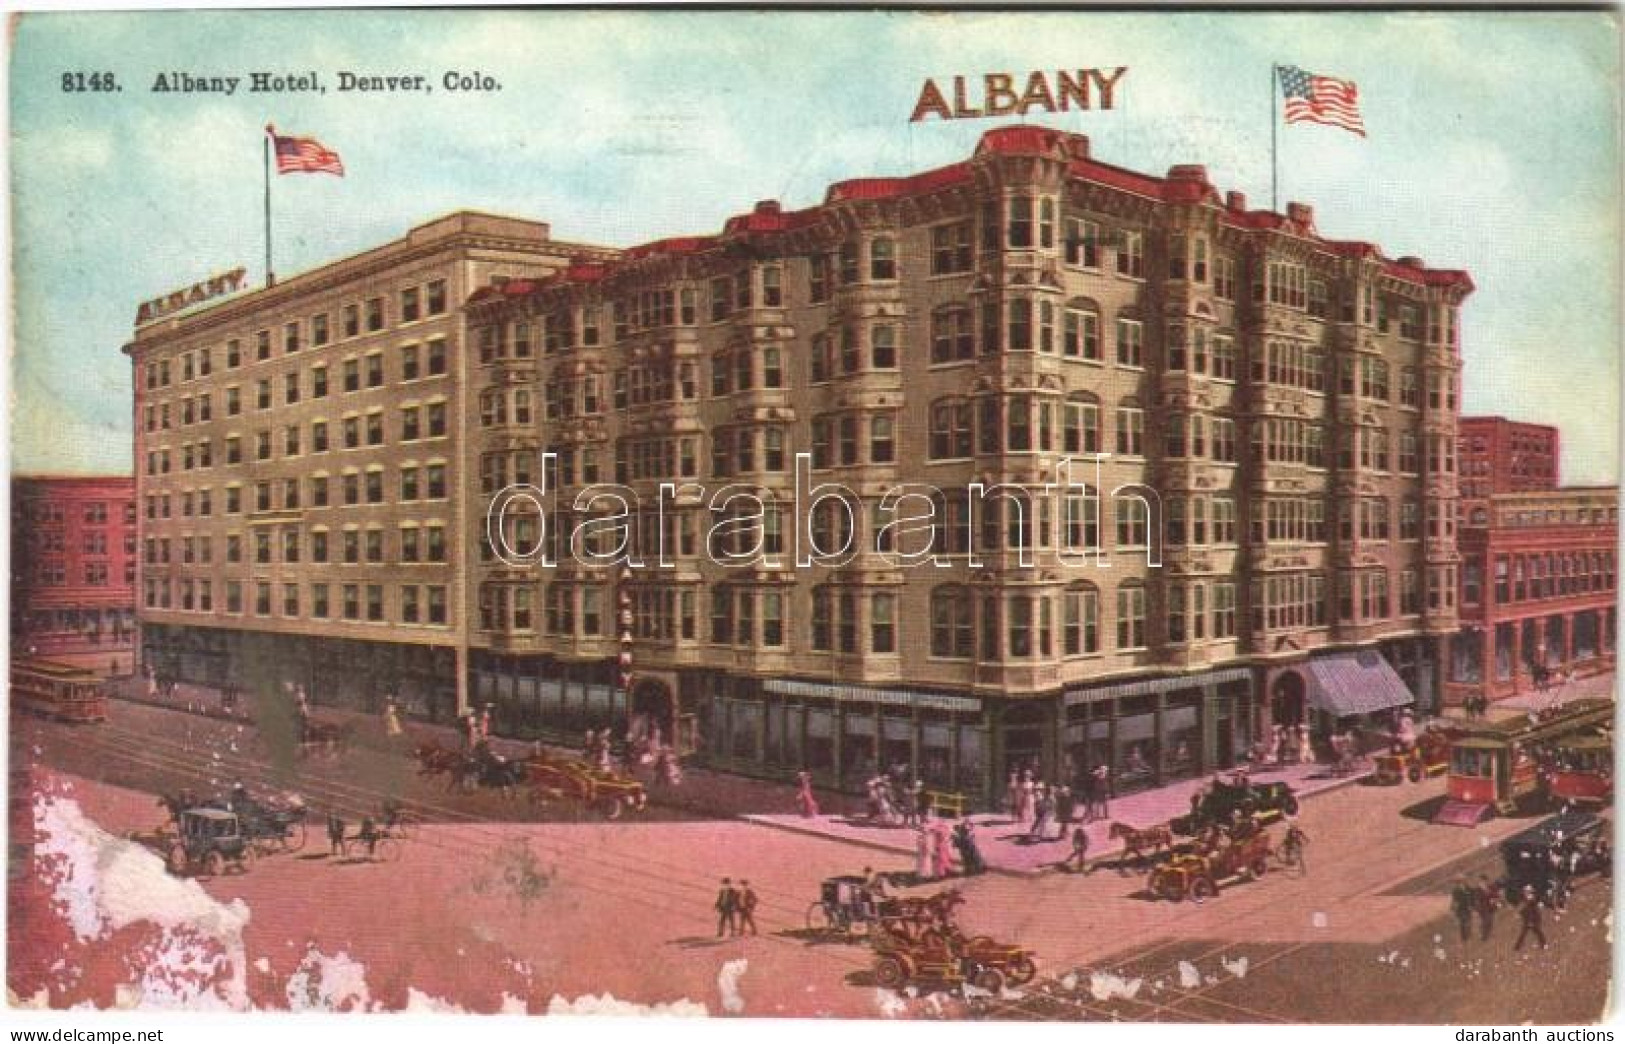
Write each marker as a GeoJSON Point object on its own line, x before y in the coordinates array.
{"type": "Point", "coordinates": [548, 778]}
{"type": "Point", "coordinates": [267, 825]}
{"type": "Point", "coordinates": [324, 739]}
{"type": "Point", "coordinates": [916, 942]}
{"type": "Point", "coordinates": [845, 906]}
{"type": "Point", "coordinates": [1428, 756]}
{"type": "Point", "coordinates": [207, 842]}
{"type": "Point", "coordinates": [1223, 803]}
{"type": "Point", "coordinates": [1198, 874]}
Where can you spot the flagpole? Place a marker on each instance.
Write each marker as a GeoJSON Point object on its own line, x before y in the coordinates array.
{"type": "Point", "coordinates": [270, 276]}
{"type": "Point", "coordinates": [1275, 156]}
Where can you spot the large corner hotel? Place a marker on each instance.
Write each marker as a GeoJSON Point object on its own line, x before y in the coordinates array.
{"type": "Point", "coordinates": [315, 460]}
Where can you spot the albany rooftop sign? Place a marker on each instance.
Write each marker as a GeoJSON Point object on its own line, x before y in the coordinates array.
{"type": "Point", "coordinates": [997, 95]}
{"type": "Point", "coordinates": [212, 287]}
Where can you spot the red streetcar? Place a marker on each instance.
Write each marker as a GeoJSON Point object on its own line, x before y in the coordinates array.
{"type": "Point", "coordinates": [1582, 770]}
{"type": "Point", "coordinates": [1496, 766]}
{"type": "Point", "coordinates": [57, 690]}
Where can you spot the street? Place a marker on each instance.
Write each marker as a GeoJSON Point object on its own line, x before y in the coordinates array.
{"type": "Point", "coordinates": [498, 905]}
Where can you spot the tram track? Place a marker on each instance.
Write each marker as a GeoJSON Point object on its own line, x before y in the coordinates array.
{"type": "Point", "coordinates": [659, 885]}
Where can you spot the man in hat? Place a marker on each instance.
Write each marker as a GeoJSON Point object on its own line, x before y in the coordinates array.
{"type": "Point", "coordinates": [747, 909]}
{"type": "Point", "coordinates": [727, 907]}
{"type": "Point", "coordinates": [1530, 916]}
{"type": "Point", "coordinates": [1463, 901]}
{"type": "Point", "coordinates": [1485, 901]}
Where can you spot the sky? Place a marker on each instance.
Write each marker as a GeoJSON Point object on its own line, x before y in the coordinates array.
{"type": "Point", "coordinates": [1492, 146]}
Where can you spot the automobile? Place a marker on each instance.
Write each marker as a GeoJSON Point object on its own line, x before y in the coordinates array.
{"type": "Point", "coordinates": [1528, 855]}
{"type": "Point", "coordinates": [1222, 802]}
{"type": "Point", "coordinates": [207, 842]}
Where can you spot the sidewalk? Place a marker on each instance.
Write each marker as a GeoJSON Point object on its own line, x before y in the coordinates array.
{"type": "Point", "coordinates": [1592, 685]}
{"type": "Point", "coordinates": [1003, 842]}
{"type": "Point", "coordinates": [703, 792]}
{"type": "Point", "coordinates": [706, 792]}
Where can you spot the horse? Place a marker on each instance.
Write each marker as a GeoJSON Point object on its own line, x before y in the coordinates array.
{"type": "Point", "coordinates": [435, 760]}
{"type": "Point", "coordinates": [1140, 845]}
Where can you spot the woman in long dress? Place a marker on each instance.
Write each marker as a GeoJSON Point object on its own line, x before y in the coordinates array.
{"type": "Point", "coordinates": [924, 851]}
{"type": "Point", "coordinates": [1027, 807]}
{"type": "Point", "coordinates": [942, 849]}
{"type": "Point", "coordinates": [1306, 750]}
{"type": "Point", "coordinates": [806, 801]}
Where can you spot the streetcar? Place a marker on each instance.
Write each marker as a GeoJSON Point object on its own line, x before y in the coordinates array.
{"type": "Point", "coordinates": [1582, 769]}
{"type": "Point", "coordinates": [57, 690]}
{"type": "Point", "coordinates": [1495, 766]}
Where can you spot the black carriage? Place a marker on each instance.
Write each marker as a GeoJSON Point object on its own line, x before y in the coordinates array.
{"type": "Point", "coordinates": [845, 906]}
{"type": "Point", "coordinates": [270, 826]}
{"type": "Point", "coordinates": [1223, 803]}
{"type": "Point", "coordinates": [207, 842]}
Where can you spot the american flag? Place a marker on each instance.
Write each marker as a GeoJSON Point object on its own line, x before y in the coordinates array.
{"type": "Point", "coordinates": [304, 155]}
{"type": "Point", "coordinates": [1321, 99]}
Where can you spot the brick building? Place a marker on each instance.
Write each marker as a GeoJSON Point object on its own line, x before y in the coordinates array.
{"type": "Point", "coordinates": [73, 569]}
{"type": "Point", "coordinates": [1278, 415]}
{"type": "Point", "coordinates": [1537, 591]}
{"type": "Point", "coordinates": [1502, 456]}
{"type": "Point", "coordinates": [286, 436]}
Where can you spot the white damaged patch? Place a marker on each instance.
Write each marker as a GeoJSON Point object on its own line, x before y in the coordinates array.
{"type": "Point", "coordinates": [733, 1002]}
{"type": "Point", "coordinates": [608, 1004]}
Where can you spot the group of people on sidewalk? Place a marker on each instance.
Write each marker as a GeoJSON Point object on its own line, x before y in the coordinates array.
{"type": "Point", "coordinates": [1049, 808]}
{"type": "Point", "coordinates": [939, 847]}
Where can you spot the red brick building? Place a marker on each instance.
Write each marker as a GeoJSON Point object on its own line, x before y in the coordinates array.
{"type": "Point", "coordinates": [73, 569]}
{"type": "Point", "coordinates": [1537, 590]}
{"type": "Point", "coordinates": [1502, 456]}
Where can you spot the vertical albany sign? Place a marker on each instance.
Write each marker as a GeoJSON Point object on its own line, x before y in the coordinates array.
{"type": "Point", "coordinates": [1082, 89]}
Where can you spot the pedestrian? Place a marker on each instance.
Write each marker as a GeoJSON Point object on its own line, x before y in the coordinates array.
{"type": "Point", "coordinates": [1043, 813]}
{"type": "Point", "coordinates": [942, 850]}
{"type": "Point", "coordinates": [1103, 791]}
{"type": "Point", "coordinates": [335, 834]}
{"type": "Point", "coordinates": [1086, 790]}
{"type": "Point", "coordinates": [727, 907]}
{"type": "Point", "coordinates": [485, 722]}
{"type": "Point", "coordinates": [924, 848]}
{"type": "Point", "coordinates": [970, 857]}
{"type": "Point", "coordinates": [1065, 806]}
{"type": "Point", "coordinates": [1080, 851]}
{"type": "Point", "coordinates": [369, 835]}
{"type": "Point", "coordinates": [1485, 902]}
{"type": "Point", "coordinates": [1012, 795]}
{"type": "Point", "coordinates": [806, 801]}
{"type": "Point", "coordinates": [747, 909]}
{"type": "Point", "coordinates": [392, 719]}
{"type": "Point", "coordinates": [1530, 916]}
{"type": "Point", "coordinates": [1463, 901]}
{"type": "Point", "coordinates": [1027, 799]}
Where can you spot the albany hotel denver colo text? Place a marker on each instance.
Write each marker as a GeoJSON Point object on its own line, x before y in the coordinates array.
{"type": "Point", "coordinates": [315, 461]}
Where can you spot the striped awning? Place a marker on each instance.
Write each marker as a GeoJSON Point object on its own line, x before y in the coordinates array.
{"type": "Point", "coordinates": [1346, 684]}
{"type": "Point", "coordinates": [1151, 686]}
{"type": "Point", "coordinates": [863, 694]}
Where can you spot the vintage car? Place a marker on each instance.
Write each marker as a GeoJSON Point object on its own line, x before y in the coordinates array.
{"type": "Point", "coordinates": [1224, 802]}
{"type": "Point", "coordinates": [1199, 874]}
{"type": "Point", "coordinates": [923, 951]}
{"type": "Point", "coordinates": [207, 842]}
{"type": "Point", "coordinates": [1428, 756]}
{"type": "Point", "coordinates": [1534, 857]}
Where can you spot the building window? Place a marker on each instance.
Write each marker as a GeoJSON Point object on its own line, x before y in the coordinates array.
{"type": "Point", "coordinates": [1130, 617]}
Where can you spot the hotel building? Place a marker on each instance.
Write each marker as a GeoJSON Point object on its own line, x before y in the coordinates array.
{"type": "Point", "coordinates": [1274, 414]}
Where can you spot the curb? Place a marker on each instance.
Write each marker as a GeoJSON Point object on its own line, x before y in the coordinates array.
{"type": "Point", "coordinates": [756, 819]}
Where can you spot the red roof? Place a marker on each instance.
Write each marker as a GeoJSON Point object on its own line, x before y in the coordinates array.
{"type": "Point", "coordinates": [1183, 184]}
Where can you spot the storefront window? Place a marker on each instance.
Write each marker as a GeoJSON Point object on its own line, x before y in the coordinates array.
{"type": "Point", "coordinates": [897, 744]}
{"type": "Point", "coordinates": [820, 753]}
{"type": "Point", "coordinates": [1503, 651]}
{"type": "Point", "coordinates": [858, 748]}
{"type": "Point", "coordinates": [744, 729]}
{"type": "Point", "coordinates": [1136, 747]}
{"type": "Point", "coordinates": [1182, 739]}
{"type": "Point", "coordinates": [1466, 653]}
{"type": "Point", "coordinates": [777, 751]}
{"type": "Point", "coordinates": [1585, 636]}
{"type": "Point", "coordinates": [970, 760]}
{"type": "Point", "coordinates": [936, 741]}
